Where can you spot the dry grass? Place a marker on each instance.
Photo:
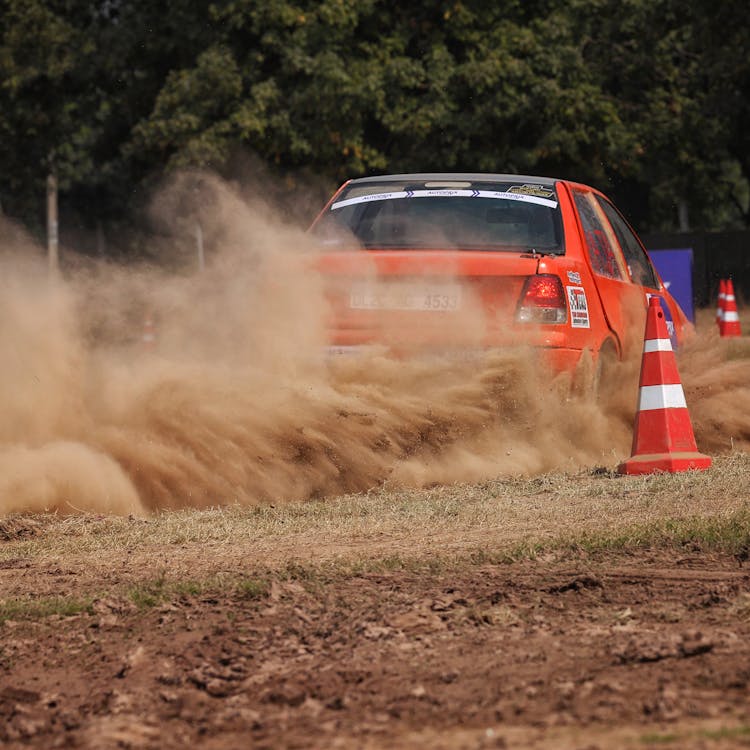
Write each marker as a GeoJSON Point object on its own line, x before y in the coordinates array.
{"type": "Point", "coordinates": [61, 565]}
{"type": "Point", "coordinates": [494, 520]}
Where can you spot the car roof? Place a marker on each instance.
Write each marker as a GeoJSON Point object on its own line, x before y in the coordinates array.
{"type": "Point", "coordinates": [457, 176]}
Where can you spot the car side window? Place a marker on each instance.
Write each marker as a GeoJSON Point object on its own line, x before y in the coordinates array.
{"type": "Point", "coordinates": [639, 265]}
{"type": "Point", "coordinates": [599, 244]}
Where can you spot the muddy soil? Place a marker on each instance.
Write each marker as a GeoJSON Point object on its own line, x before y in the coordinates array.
{"type": "Point", "coordinates": [628, 651]}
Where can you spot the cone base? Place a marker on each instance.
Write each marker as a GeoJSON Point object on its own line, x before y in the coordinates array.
{"type": "Point", "coordinates": [667, 462]}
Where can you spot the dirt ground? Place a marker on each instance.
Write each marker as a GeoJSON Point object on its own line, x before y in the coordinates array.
{"type": "Point", "coordinates": [573, 651]}
{"type": "Point", "coordinates": [222, 538]}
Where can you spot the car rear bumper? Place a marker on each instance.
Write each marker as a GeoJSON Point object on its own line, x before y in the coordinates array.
{"type": "Point", "coordinates": [556, 360]}
{"type": "Point", "coordinates": [559, 359]}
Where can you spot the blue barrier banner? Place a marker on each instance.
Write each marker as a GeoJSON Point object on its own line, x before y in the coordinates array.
{"type": "Point", "coordinates": [676, 270]}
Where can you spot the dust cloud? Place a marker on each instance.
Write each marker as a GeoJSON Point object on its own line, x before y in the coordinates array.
{"type": "Point", "coordinates": [235, 401]}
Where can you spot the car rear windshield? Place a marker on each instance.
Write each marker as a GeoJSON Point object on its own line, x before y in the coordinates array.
{"type": "Point", "coordinates": [507, 216]}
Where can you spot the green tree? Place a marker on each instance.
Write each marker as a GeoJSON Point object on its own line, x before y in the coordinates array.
{"type": "Point", "coordinates": [49, 112]}
{"type": "Point", "coordinates": [659, 65]}
{"type": "Point", "coordinates": [644, 98]}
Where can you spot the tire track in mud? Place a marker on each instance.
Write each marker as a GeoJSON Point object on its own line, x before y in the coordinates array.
{"type": "Point", "coordinates": [543, 654]}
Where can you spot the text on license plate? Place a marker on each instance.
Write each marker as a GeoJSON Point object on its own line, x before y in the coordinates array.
{"type": "Point", "coordinates": [437, 297]}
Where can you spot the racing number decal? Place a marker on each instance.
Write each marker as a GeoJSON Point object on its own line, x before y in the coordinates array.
{"type": "Point", "coordinates": [579, 307]}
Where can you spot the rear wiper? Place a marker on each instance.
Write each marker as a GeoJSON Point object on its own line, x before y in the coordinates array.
{"type": "Point", "coordinates": [534, 254]}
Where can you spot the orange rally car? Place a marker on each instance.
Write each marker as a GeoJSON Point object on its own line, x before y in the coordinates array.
{"type": "Point", "coordinates": [472, 261]}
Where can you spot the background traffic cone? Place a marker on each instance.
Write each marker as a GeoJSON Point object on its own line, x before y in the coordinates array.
{"type": "Point", "coordinates": [663, 437]}
{"type": "Point", "coordinates": [722, 299]}
{"type": "Point", "coordinates": [148, 337]}
{"type": "Point", "coordinates": [730, 320]}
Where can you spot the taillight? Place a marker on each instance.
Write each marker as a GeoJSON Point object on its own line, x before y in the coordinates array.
{"type": "Point", "coordinates": [542, 300]}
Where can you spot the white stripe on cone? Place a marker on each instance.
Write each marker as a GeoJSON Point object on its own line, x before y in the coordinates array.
{"type": "Point", "coordinates": [661, 397]}
{"type": "Point", "coordinates": [657, 345]}
{"type": "Point", "coordinates": [731, 316]}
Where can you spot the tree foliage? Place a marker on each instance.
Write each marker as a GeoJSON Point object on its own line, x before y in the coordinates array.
{"type": "Point", "coordinates": [647, 99]}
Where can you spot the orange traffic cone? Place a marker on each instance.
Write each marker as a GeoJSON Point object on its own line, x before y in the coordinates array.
{"type": "Point", "coordinates": [730, 320]}
{"type": "Point", "coordinates": [148, 337]}
{"type": "Point", "coordinates": [722, 302]}
{"type": "Point", "coordinates": [663, 438]}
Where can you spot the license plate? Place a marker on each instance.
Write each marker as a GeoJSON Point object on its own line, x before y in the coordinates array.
{"type": "Point", "coordinates": [438, 297]}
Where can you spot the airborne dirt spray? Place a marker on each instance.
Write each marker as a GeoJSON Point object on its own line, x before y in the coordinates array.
{"type": "Point", "coordinates": [238, 405]}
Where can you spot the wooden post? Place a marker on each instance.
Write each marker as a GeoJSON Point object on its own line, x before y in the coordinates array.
{"type": "Point", "coordinates": [52, 226]}
{"type": "Point", "coordinates": [199, 246]}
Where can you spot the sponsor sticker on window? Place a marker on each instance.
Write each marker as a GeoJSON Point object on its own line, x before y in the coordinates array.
{"type": "Point", "coordinates": [579, 307]}
{"type": "Point", "coordinates": [541, 191]}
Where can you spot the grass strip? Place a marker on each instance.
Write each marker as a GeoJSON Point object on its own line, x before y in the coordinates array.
{"type": "Point", "coordinates": [726, 535]}
{"type": "Point", "coordinates": [712, 735]}
{"type": "Point", "coordinates": [27, 608]}
{"type": "Point", "coordinates": [515, 510]}
{"type": "Point", "coordinates": [143, 596]}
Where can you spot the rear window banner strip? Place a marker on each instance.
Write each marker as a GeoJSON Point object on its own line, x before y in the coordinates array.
{"type": "Point", "coordinates": [368, 198]}
{"type": "Point", "coordinates": [445, 194]}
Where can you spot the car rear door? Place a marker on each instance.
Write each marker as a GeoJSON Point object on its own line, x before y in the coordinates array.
{"type": "Point", "coordinates": [640, 268]}
{"type": "Point", "coordinates": [623, 302]}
